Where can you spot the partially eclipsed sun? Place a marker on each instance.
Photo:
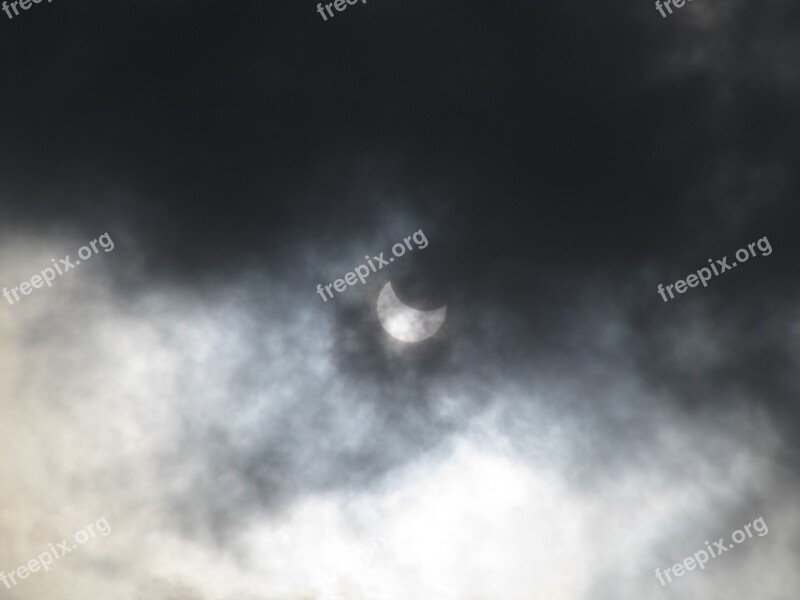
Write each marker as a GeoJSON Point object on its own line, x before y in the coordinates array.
{"type": "Point", "coordinates": [405, 323]}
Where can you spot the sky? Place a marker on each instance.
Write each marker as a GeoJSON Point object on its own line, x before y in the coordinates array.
{"type": "Point", "coordinates": [563, 435]}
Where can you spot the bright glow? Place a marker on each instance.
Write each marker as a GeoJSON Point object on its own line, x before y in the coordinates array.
{"type": "Point", "coordinates": [405, 323]}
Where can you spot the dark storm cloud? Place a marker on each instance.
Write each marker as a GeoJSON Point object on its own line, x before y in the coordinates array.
{"type": "Point", "coordinates": [224, 135]}
{"type": "Point", "coordinates": [237, 131]}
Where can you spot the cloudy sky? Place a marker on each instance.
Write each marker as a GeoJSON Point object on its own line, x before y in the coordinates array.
{"type": "Point", "coordinates": [563, 435]}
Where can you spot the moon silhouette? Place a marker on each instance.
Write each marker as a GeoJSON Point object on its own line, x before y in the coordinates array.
{"type": "Point", "coordinates": [405, 323]}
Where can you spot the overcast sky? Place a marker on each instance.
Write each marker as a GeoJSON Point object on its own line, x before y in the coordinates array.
{"type": "Point", "coordinates": [566, 431]}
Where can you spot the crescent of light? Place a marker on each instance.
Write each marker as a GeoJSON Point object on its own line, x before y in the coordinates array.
{"type": "Point", "coordinates": [405, 323]}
